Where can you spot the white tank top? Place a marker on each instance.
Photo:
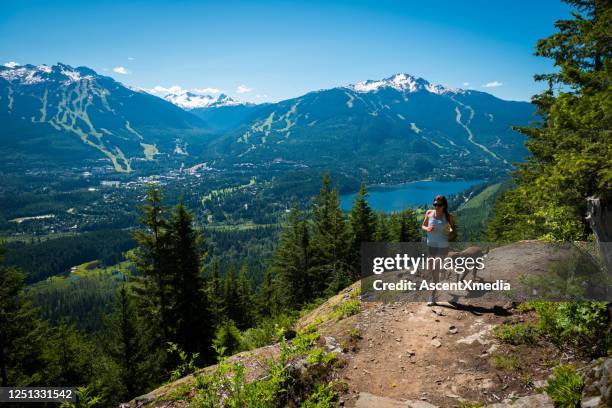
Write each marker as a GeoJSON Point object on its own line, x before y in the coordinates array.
{"type": "Point", "coordinates": [438, 238]}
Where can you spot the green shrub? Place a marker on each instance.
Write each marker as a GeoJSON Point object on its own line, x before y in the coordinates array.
{"type": "Point", "coordinates": [346, 309]}
{"type": "Point", "coordinates": [304, 341]}
{"type": "Point", "coordinates": [521, 333]}
{"type": "Point", "coordinates": [582, 326]}
{"type": "Point", "coordinates": [266, 332]}
{"type": "Point", "coordinates": [565, 387]}
{"type": "Point", "coordinates": [506, 363]}
{"type": "Point", "coordinates": [323, 396]}
{"type": "Point", "coordinates": [85, 399]}
{"type": "Point", "coordinates": [187, 361]}
{"type": "Point", "coordinates": [319, 356]}
{"type": "Point", "coordinates": [228, 337]}
{"type": "Point", "coordinates": [467, 404]}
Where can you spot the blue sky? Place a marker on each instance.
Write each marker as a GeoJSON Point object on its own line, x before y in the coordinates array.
{"type": "Point", "coordinates": [268, 51]}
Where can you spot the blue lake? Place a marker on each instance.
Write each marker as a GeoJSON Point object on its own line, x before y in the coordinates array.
{"type": "Point", "coordinates": [401, 196]}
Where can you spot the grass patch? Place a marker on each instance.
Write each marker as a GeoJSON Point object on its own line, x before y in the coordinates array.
{"type": "Point", "coordinates": [323, 396]}
{"type": "Point", "coordinates": [227, 385]}
{"type": "Point", "coordinates": [467, 404]}
{"type": "Point", "coordinates": [346, 309]}
{"type": "Point", "coordinates": [581, 326]}
{"type": "Point", "coordinates": [506, 363]}
{"type": "Point", "coordinates": [565, 387]}
{"type": "Point", "coordinates": [521, 333]}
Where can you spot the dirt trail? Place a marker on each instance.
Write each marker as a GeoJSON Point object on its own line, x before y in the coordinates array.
{"type": "Point", "coordinates": [442, 355]}
{"type": "Point", "coordinates": [438, 354]}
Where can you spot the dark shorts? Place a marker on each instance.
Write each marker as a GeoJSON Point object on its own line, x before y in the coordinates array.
{"type": "Point", "coordinates": [434, 251]}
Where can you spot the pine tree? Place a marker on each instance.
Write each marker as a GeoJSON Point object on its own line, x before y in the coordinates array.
{"type": "Point", "coordinates": [405, 227]}
{"type": "Point", "coordinates": [152, 261]}
{"type": "Point", "coordinates": [362, 223]}
{"type": "Point", "coordinates": [126, 346]}
{"type": "Point", "coordinates": [21, 332]}
{"type": "Point", "coordinates": [230, 293]}
{"type": "Point", "coordinates": [190, 319]}
{"type": "Point", "coordinates": [266, 299]}
{"type": "Point", "coordinates": [68, 356]}
{"type": "Point", "coordinates": [245, 300]}
{"type": "Point", "coordinates": [292, 261]}
{"type": "Point", "coordinates": [572, 144]}
{"type": "Point", "coordinates": [330, 241]}
{"type": "Point", "coordinates": [214, 294]}
{"type": "Point", "coordinates": [382, 233]}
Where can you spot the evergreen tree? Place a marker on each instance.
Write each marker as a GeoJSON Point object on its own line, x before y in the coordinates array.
{"type": "Point", "coordinates": [68, 357]}
{"type": "Point", "coordinates": [230, 294]}
{"type": "Point", "coordinates": [127, 348]}
{"type": "Point", "coordinates": [292, 261]}
{"type": "Point", "coordinates": [215, 298]}
{"type": "Point", "coordinates": [266, 300]}
{"type": "Point", "coordinates": [362, 221]}
{"type": "Point", "coordinates": [190, 319]}
{"type": "Point", "coordinates": [245, 300]}
{"type": "Point", "coordinates": [330, 241]}
{"type": "Point", "coordinates": [21, 333]}
{"type": "Point", "coordinates": [152, 260]}
{"type": "Point", "coordinates": [404, 227]}
{"type": "Point", "coordinates": [382, 233]}
{"type": "Point", "coordinates": [571, 146]}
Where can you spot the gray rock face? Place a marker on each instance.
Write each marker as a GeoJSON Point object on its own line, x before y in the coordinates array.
{"type": "Point", "coordinates": [597, 384]}
{"type": "Point", "coordinates": [367, 400]}
{"type": "Point", "coordinates": [528, 401]}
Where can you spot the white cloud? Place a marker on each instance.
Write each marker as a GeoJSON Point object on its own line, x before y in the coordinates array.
{"type": "Point", "coordinates": [261, 96]}
{"type": "Point", "coordinates": [466, 84]}
{"type": "Point", "coordinates": [131, 58]}
{"type": "Point", "coordinates": [243, 89]}
{"type": "Point", "coordinates": [11, 64]}
{"type": "Point", "coordinates": [493, 84]}
{"type": "Point", "coordinates": [121, 70]}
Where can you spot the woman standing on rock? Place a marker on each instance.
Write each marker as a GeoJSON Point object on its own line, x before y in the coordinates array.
{"type": "Point", "coordinates": [440, 228]}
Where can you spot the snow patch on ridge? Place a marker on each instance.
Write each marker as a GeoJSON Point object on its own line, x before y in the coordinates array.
{"type": "Point", "coordinates": [403, 83]}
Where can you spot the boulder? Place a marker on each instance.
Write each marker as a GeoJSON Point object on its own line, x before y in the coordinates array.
{"type": "Point", "coordinates": [597, 378]}
{"type": "Point", "coordinates": [367, 400]}
{"type": "Point", "coordinates": [528, 401]}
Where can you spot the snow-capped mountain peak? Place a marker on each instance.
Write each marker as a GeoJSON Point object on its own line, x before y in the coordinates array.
{"type": "Point", "coordinates": [189, 100]}
{"type": "Point", "coordinates": [403, 83]}
{"type": "Point", "coordinates": [35, 74]}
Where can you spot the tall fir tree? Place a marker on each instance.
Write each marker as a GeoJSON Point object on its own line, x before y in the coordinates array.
{"type": "Point", "coordinates": [21, 332]}
{"type": "Point", "coordinates": [404, 227]}
{"type": "Point", "coordinates": [215, 298]}
{"type": "Point", "coordinates": [152, 260]}
{"type": "Point", "coordinates": [292, 261]}
{"type": "Point", "coordinates": [362, 222]}
{"type": "Point", "coordinates": [190, 318]}
{"type": "Point", "coordinates": [126, 346]}
{"type": "Point", "coordinates": [245, 299]}
{"type": "Point", "coordinates": [571, 145]}
{"type": "Point", "coordinates": [382, 233]}
{"type": "Point", "coordinates": [330, 241]}
{"type": "Point", "coordinates": [267, 299]}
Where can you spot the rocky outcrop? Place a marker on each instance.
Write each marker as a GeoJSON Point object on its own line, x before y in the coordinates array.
{"type": "Point", "coordinates": [597, 384]}
{"type": "Point", "coordinates": [367, 400]}
{"type": "Point", "coordinates": [528, 401]}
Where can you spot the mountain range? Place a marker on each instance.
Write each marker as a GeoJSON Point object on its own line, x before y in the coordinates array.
{"type": "Point", "coordinates": [386, 128]}
{"type": "Point", "coordinates": [63, 113]}
{"type": "Point", "coordinates": [401, 126]}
